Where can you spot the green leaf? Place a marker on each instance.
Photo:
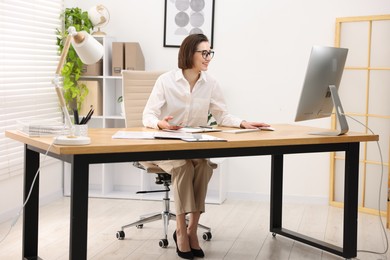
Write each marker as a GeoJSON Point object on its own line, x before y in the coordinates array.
{"type": "Point", "coordinates": [71, 71]}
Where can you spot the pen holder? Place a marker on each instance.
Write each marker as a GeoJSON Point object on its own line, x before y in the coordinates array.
{"type": "Point", "coordinates": [81, 130]}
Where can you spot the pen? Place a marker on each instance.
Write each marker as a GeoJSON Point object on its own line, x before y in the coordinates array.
{"type": "Point", "coordinates": [85, 118]}
{"type": "Point", "coordinates": [89, 117]}
{"type": "Point", "coordinates": [76, 116]}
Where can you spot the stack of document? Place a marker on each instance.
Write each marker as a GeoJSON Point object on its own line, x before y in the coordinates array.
{"type": "Point", "coordinates": [42, 128]}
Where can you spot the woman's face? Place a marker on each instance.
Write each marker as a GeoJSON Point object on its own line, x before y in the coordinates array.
{"type": "Point", "coordinates": [201, 63]}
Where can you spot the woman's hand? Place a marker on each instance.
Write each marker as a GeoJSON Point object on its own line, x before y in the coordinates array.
{"type": "Point", "coordinates": [252, 125]}
{"type": "Point", "coordinates": [164, 124]}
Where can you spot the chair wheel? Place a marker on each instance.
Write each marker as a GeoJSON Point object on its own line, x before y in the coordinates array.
{"type": "Point", "coordinates": [139, 226]}
{"type": "Point", "coordinates": [207, 236]}
{"type": "Point", "coordinates": [163, 243]}
{"type": "Point", "coordinates": [273, 234]}
{"type": "Point", "coordinates": [120, 235]}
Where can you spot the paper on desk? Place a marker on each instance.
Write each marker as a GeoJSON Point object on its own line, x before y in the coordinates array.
{"type": "Point", "coordinates": [188, 137]}
{"type": "Point", "coordinates": [240, 131]}
{"type": "Point", "coordinates": [151, 135]}
{"type": "Point", "coordinates": [248, 130]}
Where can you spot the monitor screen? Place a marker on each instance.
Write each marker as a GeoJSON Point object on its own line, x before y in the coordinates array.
{"type": "Point", "coordinates": [319, 92]}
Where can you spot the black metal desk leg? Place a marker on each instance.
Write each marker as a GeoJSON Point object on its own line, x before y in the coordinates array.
{"type": "Point", "coordinates": [79, 209]}
{"type": "Point", "coordinates": [351, 188]}
{"type": "Point", "coordinates": [276, 192]}
{"type": "Point", "coordinates": [31, 210]}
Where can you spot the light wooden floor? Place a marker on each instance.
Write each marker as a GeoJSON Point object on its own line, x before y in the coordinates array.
{"type": "Point", "coordinates": [240, 231]}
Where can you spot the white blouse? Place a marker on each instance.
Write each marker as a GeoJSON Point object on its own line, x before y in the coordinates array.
{"type": "Point", "coordinates": [171, 96]}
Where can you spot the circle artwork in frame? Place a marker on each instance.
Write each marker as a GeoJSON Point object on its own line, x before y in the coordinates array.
{"type": "Point", "coordinates": [184, 17]}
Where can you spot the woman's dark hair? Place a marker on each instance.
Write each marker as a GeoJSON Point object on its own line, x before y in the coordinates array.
{"type": "Point", "coordinates": [188, 48]}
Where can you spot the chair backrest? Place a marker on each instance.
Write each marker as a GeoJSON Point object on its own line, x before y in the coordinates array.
{"type": "Point", "coordinates": [136, 88]}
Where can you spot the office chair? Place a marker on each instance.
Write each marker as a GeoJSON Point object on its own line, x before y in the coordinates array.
{"type": "Point", "coordinates": [136, 88]}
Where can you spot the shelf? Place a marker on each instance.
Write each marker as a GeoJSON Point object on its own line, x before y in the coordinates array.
{"type": "Point", "coordinates": [91, 77]}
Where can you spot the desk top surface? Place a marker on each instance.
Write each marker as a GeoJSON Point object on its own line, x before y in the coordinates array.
{"type": "Point", "coordinates": [102, 141]}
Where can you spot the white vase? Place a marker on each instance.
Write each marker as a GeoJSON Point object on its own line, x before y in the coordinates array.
{"type": "Point", "coordinates": [122, 109]}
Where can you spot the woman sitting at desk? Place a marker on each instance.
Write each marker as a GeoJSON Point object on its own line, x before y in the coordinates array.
{"type": "Point", "coordinates": [184, 97]}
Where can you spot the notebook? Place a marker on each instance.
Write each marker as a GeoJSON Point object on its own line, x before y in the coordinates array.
{"type": "Point", "coordinates": [194, 130]}
{"type": "Point", "coordinates": [188, 137]}
{"type": "Point", "coordinates": [239, 131]}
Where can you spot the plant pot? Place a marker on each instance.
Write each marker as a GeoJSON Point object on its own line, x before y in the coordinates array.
{"type": "Point", "coordinates": [122, 108]}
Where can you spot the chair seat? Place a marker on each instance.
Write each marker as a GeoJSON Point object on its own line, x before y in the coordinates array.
{"type": "Point", "coordinates": [213, 165]}
{"type": "Point", "coordinates": [150, 167]}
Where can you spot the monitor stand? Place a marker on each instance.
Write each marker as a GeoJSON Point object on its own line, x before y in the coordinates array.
{"type": "Point", "coordinates": [339, 115]}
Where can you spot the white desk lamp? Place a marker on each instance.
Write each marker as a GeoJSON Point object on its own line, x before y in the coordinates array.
{"type": "Point", "coordinates": [90, 51]}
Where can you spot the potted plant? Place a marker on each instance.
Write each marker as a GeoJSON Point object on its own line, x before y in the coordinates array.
{"type": "Point", "coordinates": [74, 92]}
{"type": "Point", "coordinates": [122, 104]}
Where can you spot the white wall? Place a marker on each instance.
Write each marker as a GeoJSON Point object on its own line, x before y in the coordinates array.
{"type": "Point", "coordinates": [262, 48]}
{"type": "Point", "coordinates": [11, 190]}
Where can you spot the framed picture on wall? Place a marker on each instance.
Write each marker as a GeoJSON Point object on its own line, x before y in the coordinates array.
{"type": "Point", "coordinates": [185, 17]}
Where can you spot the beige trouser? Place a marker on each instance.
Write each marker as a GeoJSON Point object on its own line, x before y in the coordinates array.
{"type": "Point", "coordinates": [189, 181]}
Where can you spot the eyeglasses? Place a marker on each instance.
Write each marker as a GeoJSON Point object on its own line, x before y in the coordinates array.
{"type": "Point", "coordinates": [206, 54]}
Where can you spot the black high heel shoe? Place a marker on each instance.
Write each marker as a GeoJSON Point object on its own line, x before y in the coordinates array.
{"type": "Point", "coordinates": [185, 255]}
{"type": "Point", "coordinates": [197, 252]}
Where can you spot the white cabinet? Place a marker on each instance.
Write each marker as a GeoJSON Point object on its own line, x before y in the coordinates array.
{"type": "Point", "coordinates": [122, 180]}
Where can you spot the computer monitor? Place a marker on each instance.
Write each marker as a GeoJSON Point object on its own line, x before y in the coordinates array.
{"type": "Point", "coordinates": [320, 88]}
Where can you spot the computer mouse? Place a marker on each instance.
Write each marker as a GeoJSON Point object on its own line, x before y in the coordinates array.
{"type": "Point", "coordinates": [266, 128]}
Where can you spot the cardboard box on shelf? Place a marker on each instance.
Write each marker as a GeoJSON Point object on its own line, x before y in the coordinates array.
{"type": "Point", "coordinates": [93, 69]}
{"type": "Point", "coordinates": [118, 58]}
{"type": "Point", "coordinates": [128, 56]}
{"type": "Point", "coordinates": [134, 59]}
{"type": "Point", "coordinates": [94, 98]}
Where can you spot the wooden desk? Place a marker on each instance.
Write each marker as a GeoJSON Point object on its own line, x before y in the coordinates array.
{"type": "Point", "coordinates": [287, 139]}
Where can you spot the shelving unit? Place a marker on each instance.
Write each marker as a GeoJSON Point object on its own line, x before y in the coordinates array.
{"type": "Point", "coordinates": [111, 89]}
{"type": "Point", "coordinates": [122, 180]}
